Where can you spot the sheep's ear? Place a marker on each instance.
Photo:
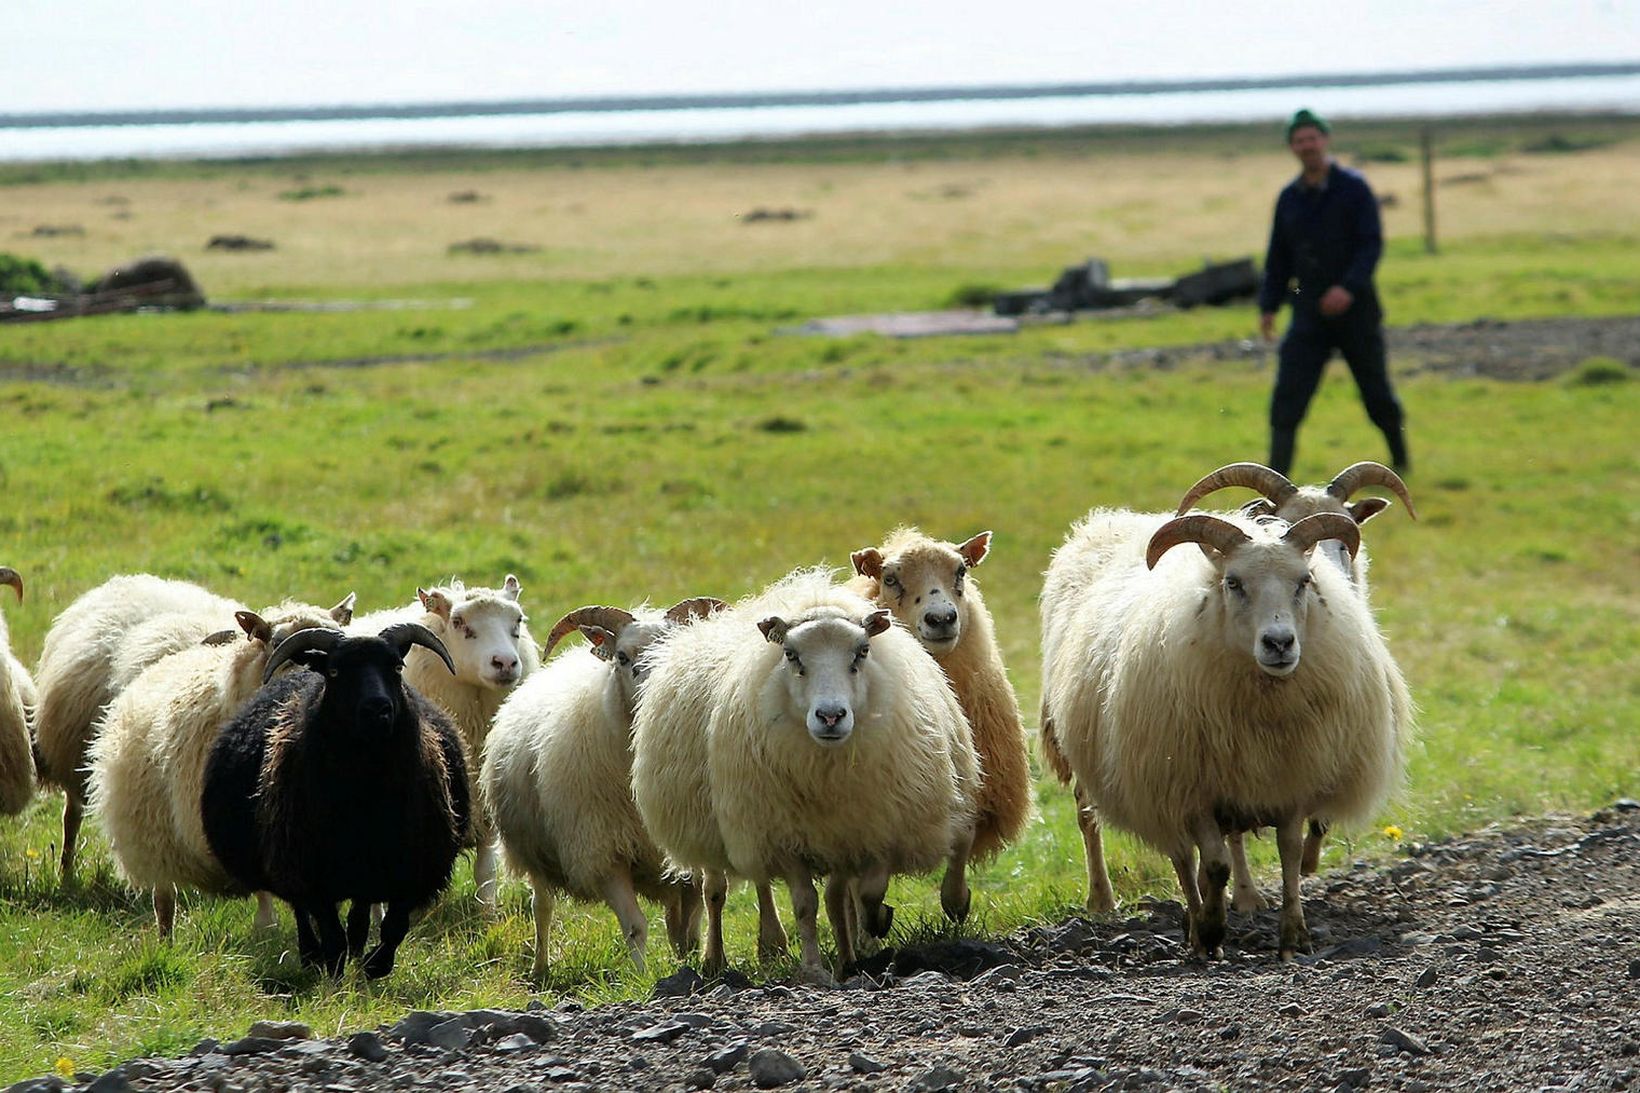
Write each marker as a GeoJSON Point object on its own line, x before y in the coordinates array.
{"type": "Point", "coordinates": [1365, 509]}
{"type": "Point", "coordinates": [974, 550]}
{"type": "Point", "coordinates": [601, 641]}
{"type": "Point", "coordinates": [774, 629]}
{"type": "Point", "coordinates": [255, 627]}
{"type": "Point", "coordinates": [342, 613]}
{"type": "Point", "coordinates": [221, 637]}
{"type": "Point", "coordinates": [1258, 507]}
{"type": "Point", "coordinates": [510, 588]}
{"type": "Point", "coordinates": [876, 622]}
{"type": "Point", "coordinates": [868, 562]}
{"type": "Point", "coordinates": [435, 602]}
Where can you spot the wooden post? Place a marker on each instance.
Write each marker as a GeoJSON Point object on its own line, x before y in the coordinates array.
{"type": "Point", "coordinates": [1428, 143]}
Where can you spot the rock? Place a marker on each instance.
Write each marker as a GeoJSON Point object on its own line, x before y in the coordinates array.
{"type": "Point", "coordinates": [251, 1045]}
{"type": "Point", "coordinates": [663, 1033]}
{"type": "Point", "coordinates": [281, 1030]}
{"type": "Point", "coordinates": [865, 1064]}
{"type": "Point", "coordinates": [1404, 1041]}
{"type": "Point", "coordinates": [414, 1027]}
{"type": "Point", "coordinates": [51, 1083]}
{"type": "Point", "coordinates": [1024, 1035]}
{"type": "Point", "coordinates": [774, 1028]}
{"type": "Point", "coordinates": [236, 242]}
{"type": "Point", "coordinates": [1427, 977]}
{"type": "Point", "coordinates": [1634, 969]}
{"type": "Point", "coordinates": [1626, 804]}
{"type": "Point", "coordinates": [726, 1059]}
{"type": "Point", "coordinates": [940, 1078]}
{"type": "Point", "coordinates": [693, 1020]}
{"type": "Point", "coordinates": [367, 1046]}
{"type": "Point", "coordinates": [114, 1081]}
{"type": "Point", "coordinates": [515, 1042]}
{"type": "Point", "coordinates": [771, 1068]}
{"type": "Point", "coordinates": [1354, 1079]}
{"type": "Point", "coordinates": [1378, 1009]}
{"type": "Point", "coordinates": [1002, 973]}
{"type": "Point", "coordinates": [680, 984]}
{"type": "Point", "coordinates": [204, 1047]}
{"type": "Point", "coordinates": [1291, 1009]}
{"type": "Point", "coordinates": [180, 291]}
{"type": "Point", "coordinates": [451, 1035]}
{"type": "Point", "coordinates": [701, 1078]}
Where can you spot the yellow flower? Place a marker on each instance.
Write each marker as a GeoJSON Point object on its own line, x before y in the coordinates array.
{"type": "Point", "coordinates": [31, 854]}
{"type": "Point", "coordinates": [1393, 832]}
{"type": "Point", "coordinates": [65, 1066]}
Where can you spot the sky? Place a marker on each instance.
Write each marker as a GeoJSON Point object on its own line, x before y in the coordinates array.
{"type": "Point", "coordinates": [96, 55]}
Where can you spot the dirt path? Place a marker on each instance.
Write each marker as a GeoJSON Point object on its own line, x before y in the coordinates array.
{"type": "Point", "coordinates": [1502, 961]}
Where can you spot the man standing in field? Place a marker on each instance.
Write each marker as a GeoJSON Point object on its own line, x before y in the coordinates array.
{"type": "Point", "coordinates": [1324, 245]}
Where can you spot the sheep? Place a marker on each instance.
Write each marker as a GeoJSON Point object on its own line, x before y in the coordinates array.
{"type": "Point", "coordinates": [147, 761]}
{"type": "Point", "coordinates": [484, 631]}
{"type": "Point", "coordinates": [94, 648]}
{"type": "Point", "coordinates": [1281, 498]}
{"type": "Point", "coordinates": [17, 699]}
{"type": "Point", "coordinates": [1200, 694]}
{"type": "Point", "coordinates": [801, 732]}
{"type": "Point", "coordinates": [341, 784]}
{"type": "Point", "coordinates": [557, 777]}
{"type": "Point", "coordinates": [925, 583]}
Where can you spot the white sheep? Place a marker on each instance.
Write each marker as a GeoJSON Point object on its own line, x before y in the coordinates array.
{"type": "Point", "coordinates": [147, 761]}
{"type": "Point", "coordinates": [1197, 694]}
{"type": "Point", "coordinates": [94, 648]}
{"type": "Point", "coordinates": [801, 733]}
{"type": "Point", "coordinates": [926, 583]}
{"type": "Point", "coordinates": [17, 700]}
{"type": "Point", "coordinates": [1292, 503]}
{"type": "Point", "coordinates": [484, 630]}
{"type": "Point", "coordinates": [557, 777]}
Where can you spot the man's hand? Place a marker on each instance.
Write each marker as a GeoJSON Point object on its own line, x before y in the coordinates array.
{"type": "Point", "coordinates": [1336, 301]}
{"type": "Point", "coordinates": [1267, 325]}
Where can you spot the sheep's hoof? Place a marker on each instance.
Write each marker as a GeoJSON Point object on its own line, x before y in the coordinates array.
{"type": "Point", "coordinates": [814, 976]}
{"type": "Point", "coordinates": [957, 912]}
{"type": "Point", "coordinates": [378, 963]}
{"type": "Point", "coordinates": [1101, 903]}
{"type": "Point", "coordinates": [1294, 939]}
{"type": "Point", "coordinates": [1207, 939]}
{"type": "Point", "coordinates": [1250, 899]}
{"type": "Point", "coordinates": [882, 920]}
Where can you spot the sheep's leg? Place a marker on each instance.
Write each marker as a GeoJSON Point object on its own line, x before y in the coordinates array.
{"type": "Point", "coordinates": [805, 909]}
{"type": "Point", "coordinates": [955, 896]}
{"type": "Point", "coordinates": [683, 915]}
{"type": "Point", "coordinates": [1184, 867]}
{"type": "Point", "coordinates": [484, 872]}
{"type": "Point", "coordinates": [874, 917]}
{"type": "Point", "coordinates": [73, 813]}
{"type": "Point", "coordinates": [623, 901]}
{"type": "Point", "coordinates": [772, 943]}
{"type": "Point", "coordinates": [717, 892]}
{"type": "Point", "coordinates": [307, 942]}
{"type": "Point", "coordinates": [332, 938]}
{"type": "Point", "coordinates": [1295, 935]}
{"type": "Point", "coordinates": [1247, 897]}
{"type": "Point", "coordinates": [840, 912]}
{"type": "Point", "coordinates": [395, 924]}
{"type": "Point", "coordinates": [541, 907]}
{"type": "Point", "coordinates": [266, 917]}
{"type": "Point", "coordinates": [165, 908]}
{"type": "Point", "coordinates": [1311, 860]}
{"type": "Point", "coordinates": [1101, 899]}
{"type": "Point", "coordinates": [358, 927]}
{"type": "Point", "coordinates": [1215, 868]}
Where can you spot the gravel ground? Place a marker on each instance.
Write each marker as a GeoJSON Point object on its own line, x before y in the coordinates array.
{"type": "Point", "coordinates": [1505, 960]}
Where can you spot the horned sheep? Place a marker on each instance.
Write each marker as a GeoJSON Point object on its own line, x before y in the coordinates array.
{"type": "Point", "coordinates": [17, 699]}
{"type": "Point", "coordinates": [801, 732]}
{"type": "Point", "coordinates": [485, 634]}
{"type": "Point", "coordinates": [1195, 695]}
{"type": "Point", "coordinates": [926, 583]}
{"type": "Point", "coordinates": [557, 777]}
{"type": "Point", "coordinates": [341, 784]}
{"type": "Point", "coordinates": [100, 643]}
{"type": "Point", "coordinates": [147, 762]}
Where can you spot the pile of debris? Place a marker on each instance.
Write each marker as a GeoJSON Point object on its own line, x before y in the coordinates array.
{"type": "Point", "coordinates": [1090, 287]}
{"type": "Point", "coordinates": [157, 283]}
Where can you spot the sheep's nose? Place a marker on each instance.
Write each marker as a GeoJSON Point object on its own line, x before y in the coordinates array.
{"type": "Point", "coordinates": [377, 711]}
{"type": "Point", "coordinates": [1278, 642]}
{"type": "Point", "coordinates": [830, 716]}
{"type": "Point", "coordinates": [941, 619]}
{"type": "Point", "coordinates": [504, 665]}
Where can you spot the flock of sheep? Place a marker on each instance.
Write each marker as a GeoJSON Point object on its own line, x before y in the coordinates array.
{"type": "Point", "coordinates": [814, 731]}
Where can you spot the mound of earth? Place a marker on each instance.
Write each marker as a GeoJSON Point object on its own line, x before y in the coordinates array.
{"type": "Point", "coordinates": [1505, 960]}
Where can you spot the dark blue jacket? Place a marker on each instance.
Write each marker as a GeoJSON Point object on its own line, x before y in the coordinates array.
{"type": "Point", "coordinates": [1324, 236]}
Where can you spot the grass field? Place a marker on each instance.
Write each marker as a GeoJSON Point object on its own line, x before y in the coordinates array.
{"type": "Point", "coordinates": [617, 416]}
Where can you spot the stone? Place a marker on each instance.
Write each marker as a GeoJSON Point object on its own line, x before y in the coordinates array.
{"type": "Point", "coordinates": [114, 1081]}
{"type": "Point", "coordinates": [865, 1064]}
{"type": "Point", "coordinates": [515, 1042]}
{"type": "Point", "coordinates": [251, 1045]}
{"type": "Point", "coordinates": [693, 1020]}
{"type": "Point", "coordinates": [1404, 1041]}
{"type": "Point", "coordinates": [680, 984]}
{"type": "Point", "coordinates": [451, 1035]}
{"type": "Point", "coordinates": [51, 1083]}
{"type": "Point", "coordinates": [414, 1027]}
{"type": "Point", "coordinates": [281, 1030]}
{"type": "Point", "coordinates": [1634, 969]}
{"type": "Point", "coordinates": [1356, 1078]}
{"type": "Point", "coordinates": [205, 1046]}
{"type": "Point", "coordinates": [936, 1080]}
{"type": "Point", "coordinates": [701, 1078]}
{"type": "Point", "coordinates": [726, 1059]}
{"type": "Point", "coordinates": [367, 1046]}
{"type": "Point", "coordinates": [1024, 1035]}
{"type": "Point", "coordinates": [1378, 1009]}
{"type": "Point", "coordinates": [771, 1068]}
{"type": "Point", "coordinates": [663, 1033]}
{"type": "Point", "coordinates": [1427, 977]}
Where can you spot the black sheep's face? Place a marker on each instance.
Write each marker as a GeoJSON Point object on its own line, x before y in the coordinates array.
{"type": "Point", "coordinates": [362, 684]}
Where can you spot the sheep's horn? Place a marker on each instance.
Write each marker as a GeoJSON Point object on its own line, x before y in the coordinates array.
{"type": "Point", "coordinates": [1324, 525]}
{"type": "Point", "coordinates": [314, 637]}
{"type": "Point", "coordinates": [1221, 535]}
{"type": "Point", "coordinates": [1368, 473]}
{"type": "Point", "coordinates": [402, 636]}
{"type": "Point", "coordinates": [10, 576]}
{"type": "Point", "coordinates": [610, 618]}
{"type": "Point", "coordinates": [1255, 476]}
{"type": "Point", "coordinates": [697, 607]}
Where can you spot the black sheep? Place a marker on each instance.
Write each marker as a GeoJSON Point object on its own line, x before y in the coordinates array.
{"type": "Point", "coordinates": [341, 784]}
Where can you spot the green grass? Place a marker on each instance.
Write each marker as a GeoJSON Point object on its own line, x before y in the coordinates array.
{"type": "Point", "coordinates": [656, 437]}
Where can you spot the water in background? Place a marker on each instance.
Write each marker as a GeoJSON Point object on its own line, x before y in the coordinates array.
{"type": "Point", "coordinates": [1619, 94]}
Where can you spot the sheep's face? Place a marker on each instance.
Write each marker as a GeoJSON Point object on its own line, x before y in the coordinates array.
{"type": "Point", "coordinates": [925, 585]}
{"type": "Point", "coordinates": [824, 670]}
{"type": "Point", "coordinates": [483, 633]}
{"type": "Point", "coordinates": [363, 691]}
{"type": "Point", "coordinates": [1266, 588]}
{"type": "Point", "coordinates": [624, 653]}
{"type": "Point", "coordinates": [1310, 500]}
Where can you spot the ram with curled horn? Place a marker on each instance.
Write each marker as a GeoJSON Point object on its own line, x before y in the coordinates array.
{"type": "Point", "coordinates": [557, 775]}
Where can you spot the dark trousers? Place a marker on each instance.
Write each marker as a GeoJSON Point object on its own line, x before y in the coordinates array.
{"type": "Point", "coordinates": [1305, 350]}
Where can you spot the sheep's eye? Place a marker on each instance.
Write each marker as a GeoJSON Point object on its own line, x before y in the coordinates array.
{"type": "Point", "coordinates": [331, 672]}
{"type": "Point", "coordinates": [1304, 582]}
{"type": "Point", "coordinates": [859, 657]}
{"type": "Point", "coordinates": [399, 667]}
{"type": "Point", "coordinates": [622, 659]}
{"type": "Point", "coordinates": [890, 581]}
{"type": "Point", "coordinates": [1233, 583]}
{"type": "Point", "coordinates": [516, 633]}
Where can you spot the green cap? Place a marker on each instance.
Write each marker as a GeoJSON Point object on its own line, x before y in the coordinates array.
{"type": "Point", "coordinates": [1307, 117]}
